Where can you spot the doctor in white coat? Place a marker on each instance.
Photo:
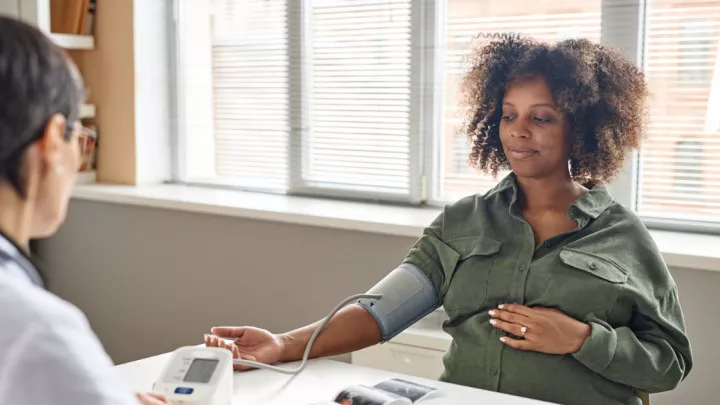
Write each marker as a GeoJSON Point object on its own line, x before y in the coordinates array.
{"type": "Point", "coordinates": [48, 353]}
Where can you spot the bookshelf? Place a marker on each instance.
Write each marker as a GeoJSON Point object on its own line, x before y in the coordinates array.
{"type": "Point", "coordinates": [74, 42]}
{"type": "Point", "coordinates": [65, 22]}
{"type": "Point", "coordinates": [87, 177]}
{"type": "Point", "coordinates": [87, 111]}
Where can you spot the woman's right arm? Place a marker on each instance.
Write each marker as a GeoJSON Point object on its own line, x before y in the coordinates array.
{"type": "Point", "coordinates": [351, 329]}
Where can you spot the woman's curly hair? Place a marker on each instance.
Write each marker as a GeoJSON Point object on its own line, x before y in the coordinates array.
{"type": "Point", "coordinates": [601, 92]}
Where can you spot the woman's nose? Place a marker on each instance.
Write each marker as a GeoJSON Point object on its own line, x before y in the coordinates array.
{"type": "Point", "coordinates": [519, 130]}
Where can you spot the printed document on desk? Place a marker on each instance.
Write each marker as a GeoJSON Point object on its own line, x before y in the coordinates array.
{"type": "Point", "coordinates": [390, 392]}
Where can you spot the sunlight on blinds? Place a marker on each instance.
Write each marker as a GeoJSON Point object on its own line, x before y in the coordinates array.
{"type": "Point", "coordinates": [360, 96]}
{"type": "Point", "coordinates": [680, 162]}
{"type": "Point", "coordinates": [250, 89]}
{"type": "Point", "coordinates": [546, 20]}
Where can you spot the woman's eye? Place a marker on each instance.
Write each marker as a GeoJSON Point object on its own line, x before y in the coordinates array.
{"type": "Point", "coordinates": [507, 117]}
{"type": "Point", "coordinates": [543, 120]}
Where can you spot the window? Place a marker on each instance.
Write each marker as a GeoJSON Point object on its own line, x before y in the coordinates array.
{"type": "Point", "coordinates": [359, 98]}
{"type": "Point", "coordinates": [460, 152]}
{"type": "Point", "coordinates": [688, 172]}
{"type": "Point", "coordinates": [234, 85]}
{"type": "Point", "coordinates": [696, 39]}
{"type": "Point", "coordinates": [679, 165]}
{"type": "Point", "coordinates": [359, 104]}
{"type": "Point", "coordinates": [308, 98]}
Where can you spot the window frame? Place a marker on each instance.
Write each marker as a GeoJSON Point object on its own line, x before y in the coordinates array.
{"type": "Point", "coordinates": [623, 27]}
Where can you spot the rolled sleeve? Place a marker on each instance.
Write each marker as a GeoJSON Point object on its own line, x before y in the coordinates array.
{"type": "Point", "coordinates": [652, 353]}
{"type": "Point", "coordinates": [434, 257]}
{"type": "Point", "coordinates": [598, 350]}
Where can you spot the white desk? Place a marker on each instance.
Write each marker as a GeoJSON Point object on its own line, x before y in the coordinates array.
{"type": "Point", "coordinates": [321, 380]}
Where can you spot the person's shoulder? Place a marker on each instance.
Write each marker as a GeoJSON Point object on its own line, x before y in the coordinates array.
{"type": "Point", "coordinates": [51, 339]}
{"type": "Point", "coordinates": [493, 196]}
{"type": "Point", "coordinates": [626, 224]}
{"type": "Point", "coordinates": [628, 241]}
{"type": "Point", "coordinates": [475, 203]}
{"type": "Point", "coordinates": [32, 305]}
{"type": "Point", "coordinates": [31, 313]}
{"type": "Point", "coordinates": [463, 216]}
{"type": "Point", "coordinates": [471, 215]}
{"type": "Point", "coordinates": [465, 205]}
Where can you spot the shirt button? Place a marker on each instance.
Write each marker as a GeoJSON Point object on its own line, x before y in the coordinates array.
{"type": "Point", "coordinates": [593, 266]}
{"type": "Point", "coordinates": [493, 372]}
{"type": "Point", "coordinates": [523, 267]}
{"type": "Point", "coordinates": [498, 331]}
{"type": "Point", "coordinates": [573, 212]}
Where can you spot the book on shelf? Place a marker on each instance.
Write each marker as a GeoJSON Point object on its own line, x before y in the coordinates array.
{"type": "Point", "coordinates": [390, 392]}
{"type": "Point", "coordinates": [89, 27]}
{"type": "Point", "coordinates": [72, 16]}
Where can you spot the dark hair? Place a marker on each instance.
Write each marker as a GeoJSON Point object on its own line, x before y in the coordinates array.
{"type": "Point", "coordinates": [603, 94]}
{"type": "Point", "coordinates": [37, 81]}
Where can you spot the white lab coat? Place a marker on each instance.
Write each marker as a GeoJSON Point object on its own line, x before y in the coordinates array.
{"type": "Point", "coordinates": [48, 353]}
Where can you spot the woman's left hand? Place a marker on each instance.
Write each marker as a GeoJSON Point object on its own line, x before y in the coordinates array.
{"type": "Point", "coordinates": [544, 330]}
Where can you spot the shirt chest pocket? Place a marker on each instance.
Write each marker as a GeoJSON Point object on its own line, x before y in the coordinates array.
{"type": "Point", "coordinates": [466, 288]}
{"type": "Point", "coordinates": [584, 283]}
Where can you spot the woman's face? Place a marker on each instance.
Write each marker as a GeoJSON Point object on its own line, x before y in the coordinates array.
{"type": "Point", "coordinates": [534, 135]}
{"type": "Point", "coordinates": [56, 164]}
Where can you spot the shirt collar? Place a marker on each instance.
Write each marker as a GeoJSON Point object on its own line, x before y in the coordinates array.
{"type": "Point", "coordinates": [591, 204]}
{"type": "Point", "coordinates": [9, 251]}
{"type": "Point", "coordinates": [504, 184]}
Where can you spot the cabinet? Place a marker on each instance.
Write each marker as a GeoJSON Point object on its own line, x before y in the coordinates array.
{"type": "Point", "coordinates": [404, 359]}
{"type": "Point", "coordinates": [418, 351]}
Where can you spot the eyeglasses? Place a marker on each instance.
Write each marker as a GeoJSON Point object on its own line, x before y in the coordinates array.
{"type": "Point", "coordinates": [86, 139]}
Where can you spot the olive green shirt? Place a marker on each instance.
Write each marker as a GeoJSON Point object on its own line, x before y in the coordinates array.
{"type": "Point", "coordinates": [607, 272]}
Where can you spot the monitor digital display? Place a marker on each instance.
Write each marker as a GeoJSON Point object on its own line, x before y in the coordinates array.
{"type": "Point", "coordinates": [201, 370]}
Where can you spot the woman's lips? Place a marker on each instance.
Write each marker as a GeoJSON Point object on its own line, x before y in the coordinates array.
{"type": "Point", "coordinates": [522, 153]}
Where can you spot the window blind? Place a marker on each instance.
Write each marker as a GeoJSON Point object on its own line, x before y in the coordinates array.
{"type": "Point", "coordinates": [360, 95]}
{"type": "Point", "coordinates": [680, 162]}
{"type": "Point", "coordinates": [546, 20]}
{"type": "Point", "coordinates": [251, 92]}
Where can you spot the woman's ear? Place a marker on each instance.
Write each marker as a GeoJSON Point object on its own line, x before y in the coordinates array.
{"type": "Point", "coordinates": [52, 138]}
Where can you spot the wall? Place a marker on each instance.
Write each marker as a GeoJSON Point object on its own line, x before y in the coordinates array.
{"type": "Point", "coordinates": [151, 280]}
{"type": "Point", "coordinates": [9, 7]}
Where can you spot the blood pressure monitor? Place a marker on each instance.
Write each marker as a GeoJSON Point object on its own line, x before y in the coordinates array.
{"type": "Point", "coordinates": [197, 376]}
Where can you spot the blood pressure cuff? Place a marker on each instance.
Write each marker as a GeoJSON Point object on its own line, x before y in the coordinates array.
{"type": "Point", "coordinates": [407, 296]}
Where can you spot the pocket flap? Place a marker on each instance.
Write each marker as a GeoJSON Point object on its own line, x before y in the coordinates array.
{"type": "Point", "coordinates": [448, 258]}
{"type": "Point", "coordinates": [594, 265]}
{"type": "Point", "coordinates": [476, 246]}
